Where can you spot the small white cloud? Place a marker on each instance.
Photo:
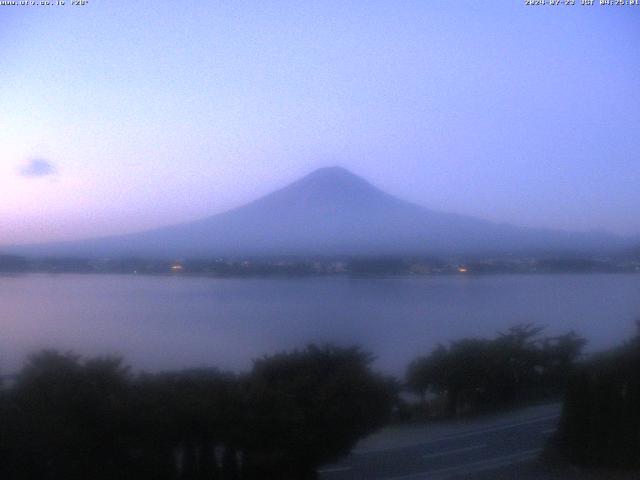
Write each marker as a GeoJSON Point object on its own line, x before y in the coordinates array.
{"type": "Point", "coordinates": [38, 167]}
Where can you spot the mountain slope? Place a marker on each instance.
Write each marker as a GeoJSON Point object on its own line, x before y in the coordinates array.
{"type": "Point", "coordinates": [331, 211]}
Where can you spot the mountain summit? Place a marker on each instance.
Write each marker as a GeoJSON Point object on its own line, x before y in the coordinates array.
{"type": "Point", "coordinates": [331, 211]}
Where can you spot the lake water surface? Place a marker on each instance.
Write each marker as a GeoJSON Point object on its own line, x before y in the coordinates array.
{"type": "Point", "coordinates": [174, 322]}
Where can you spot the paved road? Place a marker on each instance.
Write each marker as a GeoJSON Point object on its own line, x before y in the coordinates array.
{"type": "Point", "coordinates": [449, 450]}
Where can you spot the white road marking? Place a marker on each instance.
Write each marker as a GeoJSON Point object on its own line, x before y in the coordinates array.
{"type": "Point", "coordinates": [497, 428]}
{"type": "Point", "coordinates": [455, 450]}
{"type": "Point", "coordinates": [474, 467]}
{"type": "Point", "coordinates": [334, 470]}
{"type": "Point", "coordinates": [455, 436]}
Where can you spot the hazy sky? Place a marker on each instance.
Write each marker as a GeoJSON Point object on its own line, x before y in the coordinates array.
{"type": "Point", "coordinates": [120, 115]}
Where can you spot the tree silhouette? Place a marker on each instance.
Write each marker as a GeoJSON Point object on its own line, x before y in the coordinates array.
{"type": "Point", "coordinates": [309, 407]}
{"type": "Point", "coordinates": [600, 422]}
{"type": "Point", "coordinates": [479, 374]}
{"type": "Point", "coordinates": [67, 418]}
{"type": "Point", "coordinates": [70, 418]}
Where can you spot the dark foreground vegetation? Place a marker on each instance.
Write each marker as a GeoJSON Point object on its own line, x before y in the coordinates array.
{"type": "Point", "coordinates": [475, 375]}
{"type": "Point", "coordinates": [67, 418]}
{"type": "Point", "coordinates": [599, 429]}
{"type": "Point", "coordinates": [600, 423]}
{"type": "Point", "coordinates": [64, 417]}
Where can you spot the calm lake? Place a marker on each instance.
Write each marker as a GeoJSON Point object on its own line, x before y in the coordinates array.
{"type": "Point", "coordinates": [174, 322]}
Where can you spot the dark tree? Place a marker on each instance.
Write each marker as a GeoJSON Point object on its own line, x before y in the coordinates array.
{"type": "Point", "coordinates": [479, 374]}
{"type": "Point", "coordinates": [187, 414]}
{"type": "Point", "coordinates": [309, 407]}
{"type": "Point", "coordinates": [600, 422]}
{"type": "Point", "coordinates": [66, 418]}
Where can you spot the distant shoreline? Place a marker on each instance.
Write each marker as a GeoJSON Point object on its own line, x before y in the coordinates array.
{"type": "Point", "coordinates": [354, 266]}
{"type": "Point", "coordinates": [333, 275]}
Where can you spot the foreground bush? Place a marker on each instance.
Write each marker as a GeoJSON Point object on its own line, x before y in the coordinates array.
{"type": "Point", "coordinates": [310, 407]}
{"type": "Point", "coordinates": [476, 374]}
{"type": "Point", "coordinates": [67, 418]}
{"type": "Point", "coordinates": [600, 423]}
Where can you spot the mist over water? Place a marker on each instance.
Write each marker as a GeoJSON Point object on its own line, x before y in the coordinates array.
{"type": "Point", "coordinates": [161, 323]}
